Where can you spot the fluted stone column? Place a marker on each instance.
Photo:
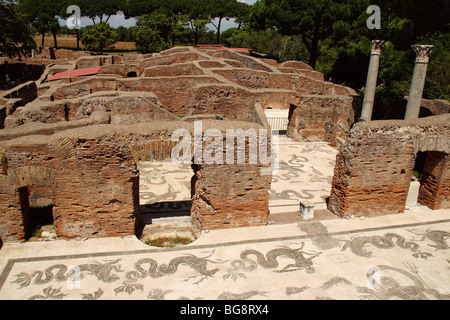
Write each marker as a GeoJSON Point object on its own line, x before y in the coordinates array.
{"type": "Point", "coordinates": [372, 77]}
{"type": "Point", "coordinates": [418, 80]}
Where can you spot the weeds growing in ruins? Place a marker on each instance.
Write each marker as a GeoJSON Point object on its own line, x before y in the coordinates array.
{"type": "Point", "coordinates": [168, 241]}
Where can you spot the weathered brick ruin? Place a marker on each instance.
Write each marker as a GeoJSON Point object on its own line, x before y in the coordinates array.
{"type": "Point", "coordinates": [75, 143]}
{"type": "Point", "coordinates": [374, 166]}
{"type": "Point", "coordinates": [93, 183]}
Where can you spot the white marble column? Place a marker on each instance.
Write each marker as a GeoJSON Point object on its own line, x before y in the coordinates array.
{"type": "Point", "coordinates": [418, 80]}
{"type": "Point", "coordinates": [372, 77]}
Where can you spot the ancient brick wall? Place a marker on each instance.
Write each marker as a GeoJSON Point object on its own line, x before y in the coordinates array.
{"type": "Point", "coordinates": [126, 108]}
{"type": "Point", "coordinates": [118, 69]}
{"type": "Point", "coordinates": [18, 96]}
{"type": "Point", "coordinates": [230, 196]}
{"type": "Point", "coordinates": [97, 61]}
{"type": "Point", "coordinates": [11, 221]}
{"type": "Point", "coordinates": [434, 190]}
{"type": "Point", "coordinates": [171, 59]}
{"type": "Point", "coordinates": [186, 81]}
{"type": "Point", "coordinates": [96, 191]}
{"type": "Point", "coordinates": [63, 54]}
{"type": "Point", "coordinates": [253, 79]}
{"type": "Point", "coordinates": [24, 171]}
{"type": "Point", "coordinates": [321, 118]}
{"type": "Point", "coordinates": [235, 102]}
{"type": "Point", "coordinates": [374, 167]}
{"type": "Point", "coordinates": [91, 174]}
{"type": "Point", "coordinates": [174, 70]}
{"type": "Point", "coordinates": [174, 93]}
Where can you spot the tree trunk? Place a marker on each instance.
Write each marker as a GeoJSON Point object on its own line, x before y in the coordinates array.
{"type": "Point", "coordinates": [55, 42]}
{"type": "Point", "coordinates": [312, 60]}
{"type": "Point", "coordinates": [78, 38]}
{"type": "Point", "coordinates": [195, 37]}
{"type": "Point", "coordinates": [314, 48]}
{"type": "Point", "coordinates": [43, 39]}
{"type": "Point", "coordinates": [313, 53]}
{"type": "Point", "coordinates": [218, 30]}
{"type": "Point", "coordinates": [7, 79]}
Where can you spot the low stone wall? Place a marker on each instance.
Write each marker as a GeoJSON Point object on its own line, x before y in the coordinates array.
{"type": "Point", "coordinates": [171, 59]}
{"type": "Point", "coordinates": [374, 166]}
{"type": "Point", "coordinates": [124, 108]}
{"type": "Point", "coordinates": [235, 102]}
{"type": "Point", "coordinates": [21, 71]}
{"type": "Point", "coordinates": [253, 79]}
{"type": "Point", "coordinates": [59, 54]}
{"type": "Point", "coordinates": [174, 70]}
{"type": "Point", "coordinates": [173, 92]}
{"type": "Point", "coordinates": [14, 98]}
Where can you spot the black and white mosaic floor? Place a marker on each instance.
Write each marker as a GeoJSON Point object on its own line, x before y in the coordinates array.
{"type": "Point", "coordinates": [311, 260]}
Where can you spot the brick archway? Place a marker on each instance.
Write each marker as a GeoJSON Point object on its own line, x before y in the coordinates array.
{"type": "Point", "coordinates": [31, 181]}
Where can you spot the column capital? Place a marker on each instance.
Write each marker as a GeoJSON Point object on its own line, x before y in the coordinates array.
{"type": "Point", "coordinates": [376, 46]}
{"type": "Point", "coordinates": [422, 52]}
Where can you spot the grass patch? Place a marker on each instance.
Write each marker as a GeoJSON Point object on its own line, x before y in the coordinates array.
{"type": "Point", "coordinates": [37, 233]}
{"type": "Point", "coordinates": [417, 174]}
{"type": "Point", "coordinates": [70, 42]}
{"type": "Point", "coordinates": [168, 241]}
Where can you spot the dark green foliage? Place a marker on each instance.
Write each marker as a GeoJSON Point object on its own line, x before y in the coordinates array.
{"type": "Point", "coordinates": [99, 37]}
{"type": "Point", "coordinates": [437, 85]}
{"type": "Point", "coordinates": [270, 42]}
{"type": "Point", "coordinates": [153, 32]}
{"type": "Point", "coordinates": [126, 34]}
{"type": "Point", "coordinates": [98, 9]}
{"type": "Point", "coordinates": [337, 40]}
{"type": "Point", "coordinates": [330, 35]}
{"type": "Point", "coordinates": [42, 15]}
{"type": "Point", "coordinates": [15, 33]}
{"type": "Point", "coordinates": [313, 20]}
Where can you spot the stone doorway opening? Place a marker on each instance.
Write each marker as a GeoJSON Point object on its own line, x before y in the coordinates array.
{"type": "Point", "coordinates": [414, 187]}
{"type": "Point", "coordinates": [277, 115]}
{"type": "Point", "coordinates": [165, 203]}
{"type": "Point", "coordinates": [426, 187]}
{"type": "Point", "coordinates": [37, 215]}
{"type": "Point", "coordinates": [433, 187]}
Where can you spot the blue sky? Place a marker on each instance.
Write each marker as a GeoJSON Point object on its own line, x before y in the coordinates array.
{"type": "Point", "coordinates": [119, 20]}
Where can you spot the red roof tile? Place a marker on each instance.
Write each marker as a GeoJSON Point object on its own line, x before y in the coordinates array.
{"type": "Point", "coordinates": [74, 73]}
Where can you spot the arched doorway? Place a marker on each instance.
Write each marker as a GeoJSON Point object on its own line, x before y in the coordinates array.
{"type": "Point", "coordinates": [132, 74]}
{"type": "Point", "coordinates": [37, 211]}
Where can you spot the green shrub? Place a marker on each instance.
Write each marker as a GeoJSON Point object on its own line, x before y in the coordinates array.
{"type": "Point", "coordinates": [99, 37]}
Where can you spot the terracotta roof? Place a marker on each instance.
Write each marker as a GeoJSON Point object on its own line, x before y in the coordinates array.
{"type": "Point", "coordinates": [74, 73]}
